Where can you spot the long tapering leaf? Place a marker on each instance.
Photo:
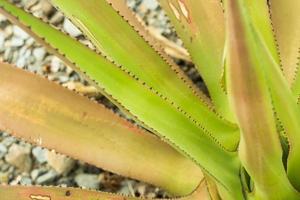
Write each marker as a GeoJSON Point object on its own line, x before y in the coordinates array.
{"type": "Point", "coordinates": [44, 113]}
{"type": "Point", "coordinates": [173, 124]}
{"type": "Point", "coordinates": [260, 150]}
{"type": "Point", "coordinates": [284, 103]}
{"type": "Point", "coordinates": [102, 24]}
{"type": "Point", "coordinates": [57, 193]}
{"type": "Point", "coordinates": [286, 23]}
{"type": "Point", "coordinates": [195, 21]}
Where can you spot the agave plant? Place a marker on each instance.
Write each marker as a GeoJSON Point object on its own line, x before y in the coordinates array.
{"type": "Point", "coordinates": [240, 142]}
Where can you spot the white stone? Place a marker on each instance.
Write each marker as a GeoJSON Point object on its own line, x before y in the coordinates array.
{"type": "Point", "coordinates": [39, 154]}
{"type": "Point", "coordinates": [55, 64]}
{"type": "Point", "coordinates": [71, 28]}
{"type": "Point", "coordinates": [150, 4]}
{"type": "Point", "coordinates": [16, 42]}
{"type": "Point", "coordinates": [46, 178]}
{"type": "Point", "coordinates": [39, 53]}
{"type": "Point", "coordinates": [89, 181]}
{"type": "Point", "coordinates": [20, 33]}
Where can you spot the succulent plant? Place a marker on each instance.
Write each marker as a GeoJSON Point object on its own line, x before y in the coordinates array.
{"type": "Point", "coordinates": [238, 142]}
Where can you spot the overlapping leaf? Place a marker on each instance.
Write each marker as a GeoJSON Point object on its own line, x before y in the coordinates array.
{"type": "Point", "coordinates": [252, 88]}
{"type": "Point", "coordinates": [144, 102]}
{"type": "Point", "coordinates": [44, 113]}
{"type": "Point", "coordinates": [113, 36]}
{"type": "Point", "coordinates": [200, 24]}
{"type": "Point", "coordinates": [55, 193]}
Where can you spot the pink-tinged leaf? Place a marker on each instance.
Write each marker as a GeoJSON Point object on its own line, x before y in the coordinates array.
{"type": "Point", "coordinates": [260, 151]}
{"type": "Point", "coordinates": [180, 130]}
{"type": "Point", "coordinates": [57, 193]}
{"type": "Point", "coordinates": [49, 115]}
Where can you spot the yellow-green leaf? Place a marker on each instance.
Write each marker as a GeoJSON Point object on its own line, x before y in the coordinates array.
{"type": "Point", "coordinates": [260, 150]}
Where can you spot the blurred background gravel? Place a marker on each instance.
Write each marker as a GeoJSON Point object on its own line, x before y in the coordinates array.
{"type": "Point", "coordinates": [25, 164]}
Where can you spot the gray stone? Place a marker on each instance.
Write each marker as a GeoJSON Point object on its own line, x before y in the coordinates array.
{"type": "Point", "coordinates": [35, 173]}
{"type": "Point", "coordinates": [20, 33]}
{"type": "Point", "coordinates": [3, 150]}
{"type": "Point", "coordinates": [8, 141]}
{"type": "Point", "coordinates": [15, 56]}
{"type": "Point", "coordinates": [29, 42]}
{"type": "Point", "coordinates": [22, 50]}
{"type": "Point", "coordinates": [8, 31]}
{"type": "Point", "coordinates": [71, 28]}
{"type": "Point", "coordinates": [25, 181]}
{"type": "Point", "coordinates": [19, 156]}
{"type": "Point", "coordinates": [8, 54]}
{"type": "Point", "coordinates": [16, 42]}
{"type": "Point", "coordinates": [39, 53]}
{"type": "Point", "coordinates": [63, 79]}
{"type": "Point", "coordinates": [34, 67]}
{"type": "Point", "coordinates": [56, 64]}
{"type": "Point", "coordinates": [39, 154]}
{"type": "Point", "coordinates": [61, 163]}
{"type": "Point", "coordinates": [89, 181]}
{"type": "Point", "coordinates": [21, 62]}
{"type": "Point", "coordinates": [47, 177]}
{"type": "Point", "coordinates": [65, 181]}
{"type": "Point", "coordinates": [150, 4]}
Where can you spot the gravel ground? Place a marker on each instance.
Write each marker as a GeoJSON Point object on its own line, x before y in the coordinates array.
{"type": "Point", "coordinates": [25, 164]}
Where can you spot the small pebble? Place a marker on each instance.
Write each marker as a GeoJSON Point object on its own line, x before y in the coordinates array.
{"type": "Point", "coordinates": [20, 33]}
{"type": "Point", "coordinates": [71, 28]}
{"type": "Point", "coordinates": [47, 177]}
{"type": "Point", "coordinates": [61, 163]}
{"type": "Point", "coordinates": [89, 181]}
{"type": "Point", "coordinates": [19, 156]}
{"type": "Point", "coordinates": [16, 42]}
{"type": "Point", "coordinates": [3, 150]}
{"type": "Point", "coordinates": [40, 154]}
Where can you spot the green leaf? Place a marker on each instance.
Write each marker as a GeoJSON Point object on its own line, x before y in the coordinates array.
{"type": "Point", "coordinates": [250, 63]}
{"type": "Point", "coordinates": [102, 24]}
{"type": "Point", "coordinates": [285, 104]}
{"type": "Point", "coordinates": [163, 116]}
{"type": "Point", "coordinates": [44, 113]}
{"type": "Point", "coordinates": [195, 21]}
{"type": "Point", "coordinates": [286, 23]}
{"type": "Point", "coordinates": [260, 17]}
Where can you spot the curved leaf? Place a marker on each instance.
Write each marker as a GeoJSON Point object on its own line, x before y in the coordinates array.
{"type": "Point", "coordinates": [57, 193]}
{"type": "Point", "coordinates": [173, 124]}
{"type": "Point", "coordinates": [195, 21]}
{"type": "Point", "coordinates": [284, 103]}
{"type": "Point", "coordinates": [102, 24]}
{"type": "Point", "coordinates": [49, 115]}
{"type": "Point", "coordinates": [259, 150]}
